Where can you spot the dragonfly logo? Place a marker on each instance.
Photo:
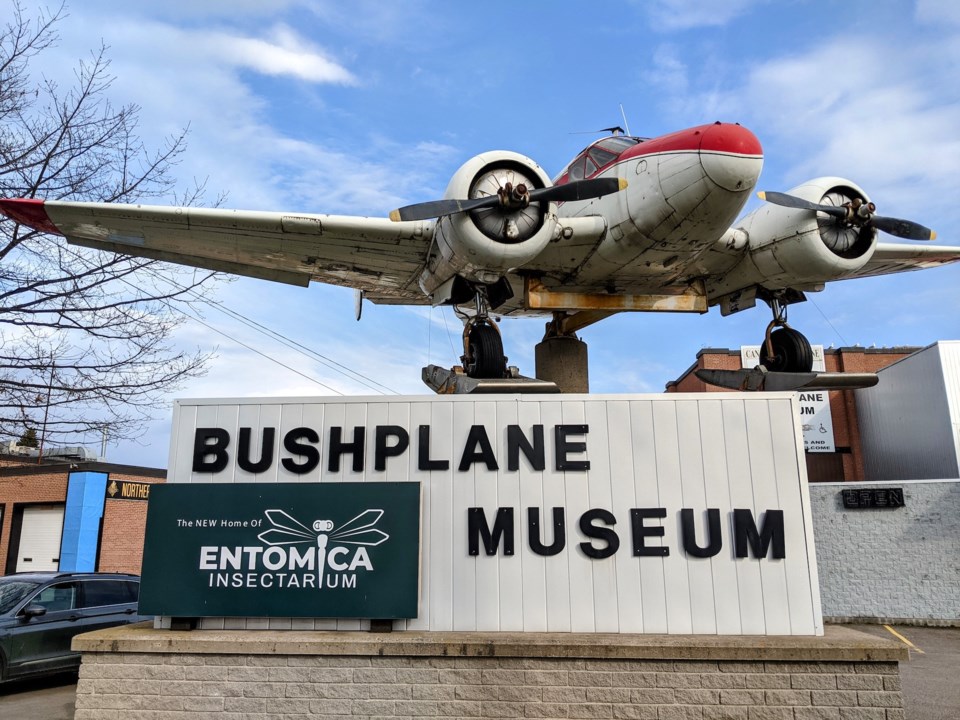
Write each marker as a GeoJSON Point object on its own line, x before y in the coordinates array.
{"type": "Point", "coordinates": [358, 532]}
{"type": "Point", "coordinates": [320, 556]}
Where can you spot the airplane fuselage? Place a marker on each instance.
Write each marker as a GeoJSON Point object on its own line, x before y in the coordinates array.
{"type": "Point", "coordinates": [685, 190]}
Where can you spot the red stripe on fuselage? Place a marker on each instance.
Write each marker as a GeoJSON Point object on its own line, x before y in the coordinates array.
{"type": "Point", "coordinates": [717, 137]}
{"type": "Point", "coordinates": [30, 213]}
{"type": "Point", "coordinates": [726, 138]}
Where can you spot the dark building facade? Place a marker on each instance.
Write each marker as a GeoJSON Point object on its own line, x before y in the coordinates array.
{"type": "Point", "coordinates": [846, 462]}
{"type": "Point", "coordinates": [73, 516]}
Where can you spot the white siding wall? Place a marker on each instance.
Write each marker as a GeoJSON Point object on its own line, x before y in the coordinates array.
{"type": "Point", "coordinates": [670, 451]}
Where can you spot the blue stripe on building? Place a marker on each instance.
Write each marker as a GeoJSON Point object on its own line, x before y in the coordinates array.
{"type": "Point", "coordinates": [81, 521]}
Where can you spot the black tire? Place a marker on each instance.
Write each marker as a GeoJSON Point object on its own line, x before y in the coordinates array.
{"type": "Point", "coordinates": [791, 352]}
{"type": "Point", "coordinates": [485, 354]}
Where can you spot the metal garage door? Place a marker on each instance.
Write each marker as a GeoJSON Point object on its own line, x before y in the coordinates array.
{"type": "Point", "coordinates": [40, 538]}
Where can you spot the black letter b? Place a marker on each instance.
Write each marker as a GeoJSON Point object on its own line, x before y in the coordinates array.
{"type": "Point", "coordinates": [203, 448]}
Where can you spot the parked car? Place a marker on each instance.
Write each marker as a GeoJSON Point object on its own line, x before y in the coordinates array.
{"type": "Point", "coordinates": [40, 612]}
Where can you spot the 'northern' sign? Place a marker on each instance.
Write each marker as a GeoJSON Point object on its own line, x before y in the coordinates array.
{"type": "Point", "coordinates": [657, 514]}
{"type": "Point", "coordinates": [282, 550]}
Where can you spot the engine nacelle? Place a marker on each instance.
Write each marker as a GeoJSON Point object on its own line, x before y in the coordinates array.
{"type": "Point", "coordinates": [483, 245]}
{"type": "Point", "coordinates": [800, 249]}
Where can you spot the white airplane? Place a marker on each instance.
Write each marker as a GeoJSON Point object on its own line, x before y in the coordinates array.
{"type": "Point", "coordinates": [630, 224]}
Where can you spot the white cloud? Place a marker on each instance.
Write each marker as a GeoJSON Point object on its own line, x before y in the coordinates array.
{"type": "Point", "coordinates": [669, 72]}
{"type": "Point", "coordinates": [847, 106]}
{"type": "Point", "coordinates": [229, 9]}
{"type": "Point", "coordinates": [195, 77]}
{"type": "Point", "coordinates": [938, 12]}
{"type": "Point", "coordinates": [854, 108]}
{"type": "Point", "coordinates": [685, 14]}
{"type": "Point", "coordinates": [285, 54]}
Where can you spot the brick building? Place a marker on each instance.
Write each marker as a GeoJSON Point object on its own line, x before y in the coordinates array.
{"type": "Point", "coordinates": [846, 462]}
{"type": "Point", "coordinates": [78, 516]}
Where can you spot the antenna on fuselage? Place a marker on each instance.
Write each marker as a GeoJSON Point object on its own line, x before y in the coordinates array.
{"type": "Point", "coordinates": [615, 130]}
{"type": "Point", "coordinates": [624, 116]}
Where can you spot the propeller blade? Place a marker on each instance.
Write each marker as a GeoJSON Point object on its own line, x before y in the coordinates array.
{"type": "Point", "coordinates": [439, 208]}
{"type": "Point", "coordinates": [792, 201]}
{"type": "Point", "coordinates": [906, 229]}
{"type": "Point", "coordinates": [580, 190]}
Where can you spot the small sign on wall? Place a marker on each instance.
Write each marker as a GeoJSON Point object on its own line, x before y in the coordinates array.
{"type": "Point", "coordinates": [865, 498]}
{"type": "Point", "coordinates": [128, 490]}
{"type": "Point", "coordinates": [816, 421]}
{"type": "Point", "coordinates": [336, 550]}
{"type": "Point", "coordinates": [815, 417]}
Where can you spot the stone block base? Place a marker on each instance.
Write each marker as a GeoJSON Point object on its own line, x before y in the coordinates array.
{"type": "Point", "coordinates": [140, 672]}
{"type": "Point", "coordinates": [563, 360]}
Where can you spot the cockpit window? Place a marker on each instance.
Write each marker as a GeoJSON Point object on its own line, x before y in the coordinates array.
{"type": "Point", "coordinates": [575, 169]}
{"type": "Point", "coordinates": [618, 143]}
{"type": "Point", "coordinates": [598, 155]}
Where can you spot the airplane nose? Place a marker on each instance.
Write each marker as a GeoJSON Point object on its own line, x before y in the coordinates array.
{"type": "Point", "coordinates": [731, 156]}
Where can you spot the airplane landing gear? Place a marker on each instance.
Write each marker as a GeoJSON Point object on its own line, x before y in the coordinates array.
{"type": "Point", "coordinates": [483, 350]}
{"type": "Point", "coordinates": [784, 349]}
{"type": "Point", "coordinates": [483, 356]}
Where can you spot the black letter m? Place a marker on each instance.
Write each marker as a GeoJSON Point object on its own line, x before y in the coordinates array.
{"type": "Point", "coordinates": [745, 533]}
{"type": "Point", "coordinates": [502, 527]}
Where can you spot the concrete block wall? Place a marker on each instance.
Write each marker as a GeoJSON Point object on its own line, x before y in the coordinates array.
{"type": "Point", "coordinates": [899, 564]}
{"type": "Point", "coordinates": [160, 687]}
{"type": "Point", "coordinates": [136, 671]}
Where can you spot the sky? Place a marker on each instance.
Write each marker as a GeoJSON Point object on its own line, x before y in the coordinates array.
{"type": "Point", "coordinates": [361, 107]}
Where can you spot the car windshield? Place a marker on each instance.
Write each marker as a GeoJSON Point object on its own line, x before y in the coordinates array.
{"type": "Point", "coordinates": [13, 591]}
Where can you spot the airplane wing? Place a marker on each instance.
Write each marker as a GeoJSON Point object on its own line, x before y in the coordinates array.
{"type": "Point", "coordinates": [380, 257]}
{"type": "Point", "coordinates": [889, 258]}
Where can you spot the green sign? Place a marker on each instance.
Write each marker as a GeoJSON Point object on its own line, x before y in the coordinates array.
{"type": "Point", "coordinates": [349, 550]}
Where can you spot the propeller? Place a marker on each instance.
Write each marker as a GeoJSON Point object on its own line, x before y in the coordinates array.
{"type": "Point", "coordinates": [856, 212]}
{"type": "Point", "coordinates": [510, 197]}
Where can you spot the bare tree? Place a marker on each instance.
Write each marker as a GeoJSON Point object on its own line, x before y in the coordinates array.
{"type": "Point", "coordinates": [85, 336]}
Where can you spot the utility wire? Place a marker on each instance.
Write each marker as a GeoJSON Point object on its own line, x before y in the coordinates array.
{"type": "Point", "coordinates": [126, 282]}
{"type": "Point", "coordinates": [449, 338]}
{"type": "Point", "coordinates": [253, 349]}
{"type": "Point", "coordinates": [842, 338]}
{"type": "Point", "coordinates": [289, 342]}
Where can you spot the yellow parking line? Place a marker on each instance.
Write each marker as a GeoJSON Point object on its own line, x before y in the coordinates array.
{"type": "Point", "coordinates": [904, 640]}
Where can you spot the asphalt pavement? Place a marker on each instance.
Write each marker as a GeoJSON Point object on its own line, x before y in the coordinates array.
{"type": "Point", "coordinates": [931, 679]}
{"type": "Point", "coordinates": [48, 698]}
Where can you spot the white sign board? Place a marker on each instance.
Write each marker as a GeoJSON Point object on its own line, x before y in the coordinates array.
{"type": "Point", "coordinates": [815, 418]}
{"type": "Point", "coordinates": [575, 513]}
{"type": "Point", "coordinates": [816, 421]}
